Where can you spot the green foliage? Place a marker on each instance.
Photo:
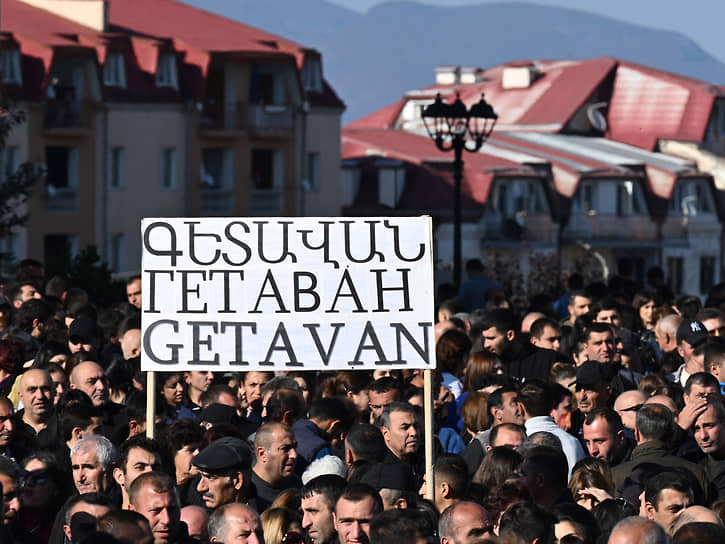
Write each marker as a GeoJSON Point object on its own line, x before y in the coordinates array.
{"type": "Point", "coordinates": [15, 190]}
{"type": "Point", "coordinates": [88, 271]}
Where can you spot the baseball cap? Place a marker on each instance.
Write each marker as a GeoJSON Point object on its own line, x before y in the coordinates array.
{"type": "Point", "coordinates": [691, 331]}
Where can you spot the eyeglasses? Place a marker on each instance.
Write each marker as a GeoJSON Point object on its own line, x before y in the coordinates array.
{"type": "Point", "coordinates": [293, 537]}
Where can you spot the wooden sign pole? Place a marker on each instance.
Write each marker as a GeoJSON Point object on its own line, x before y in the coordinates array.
{"type": "Point", "coordinates": [429, 432]}
{"type": "Point", "coordinates": [150, 404]}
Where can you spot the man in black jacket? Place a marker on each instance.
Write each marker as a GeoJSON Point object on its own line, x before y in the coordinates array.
{"type": "Point", "coordinates": [520, 358]}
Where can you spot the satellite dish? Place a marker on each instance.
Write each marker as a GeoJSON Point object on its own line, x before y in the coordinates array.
{"type": "Point", "coordinates": [596, 117]}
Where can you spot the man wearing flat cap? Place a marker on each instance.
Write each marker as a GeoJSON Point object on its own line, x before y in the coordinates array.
{"type": "Point", "coordinates": [395, 482]}
{"type": "Point", "coordinates": [690, 335]}
{"type": "Point", "coordinates": [223, 467]}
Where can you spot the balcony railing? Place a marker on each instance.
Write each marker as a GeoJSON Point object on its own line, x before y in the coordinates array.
{"type": "Point", "coordinates": [270, 117]}
{"type": "Point", "coordinates": [267, 201]}
{"type": "Point", "coordinates": [61, 200]}
{"type": "Point", "coordinates": [530, 227]}
{"type": "Point", "coordinates": [635, 228]}
{"type": "Point", "coordinates": [220, 115]}
{"type": "Point", "coordinates": [215, 201]}
{"type": "Point", "coordinates": [66, 113]}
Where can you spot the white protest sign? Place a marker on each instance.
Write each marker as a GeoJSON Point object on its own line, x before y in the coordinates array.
{"type": "Point", "coordinates": [287, 293]}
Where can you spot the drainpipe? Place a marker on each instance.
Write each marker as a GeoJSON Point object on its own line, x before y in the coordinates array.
{"type": "Point", "coordinates": [304, 110]}
{"type": "Point", "coordinates": [188, 109]}
{"type": "Point", "coordinates": [104, 188]}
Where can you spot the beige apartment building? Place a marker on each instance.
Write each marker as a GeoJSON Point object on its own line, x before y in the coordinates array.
{"type": "Point", "coordinates": [151, 108]}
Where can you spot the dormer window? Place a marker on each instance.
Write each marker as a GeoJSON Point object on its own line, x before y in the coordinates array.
{"type": "Point", "coordinates": [166, 73]}
{"type": "Point", "coordinates": [10, 66]}
{"type": "Point", "coordinates": [114, 71]}
{"type": "Point", "coordinates": [312, 74]}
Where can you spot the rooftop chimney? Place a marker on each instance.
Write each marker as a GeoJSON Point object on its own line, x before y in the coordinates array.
{"type": "Point", "coordinates": [90, 13]}
{"type": "Point", "coordinates": [519, 77]}
{"type": "Point", "coordinates": [448, 75]}
{"type": "Point", "coordinates": [470, 75]}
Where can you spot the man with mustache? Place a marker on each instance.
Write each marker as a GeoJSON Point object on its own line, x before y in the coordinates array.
{"type": "Point", "coordinates": [38, 417]}
{"type": "Point", "coordinates": [222, 469]}
{"type": "Point", "coordinates": [275, 447]}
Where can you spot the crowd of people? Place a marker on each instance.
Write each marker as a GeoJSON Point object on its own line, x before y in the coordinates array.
{"type": "Point", "coordinates": [593, 417]}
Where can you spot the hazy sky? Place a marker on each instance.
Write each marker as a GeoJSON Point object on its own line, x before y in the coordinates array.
{"type": "Point", "coordinates": [701, 20]}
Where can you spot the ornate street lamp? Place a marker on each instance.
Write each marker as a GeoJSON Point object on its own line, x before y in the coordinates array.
{"type": "Point", "coordinates": [453, 126]}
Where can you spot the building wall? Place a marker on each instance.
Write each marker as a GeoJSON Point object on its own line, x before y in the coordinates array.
{"type": "Point", "coordinates": [323, 137]}
{"type": "Point", "coordinates": [143, 131]}
{"type": "Point", "coordinates": [80, 222]}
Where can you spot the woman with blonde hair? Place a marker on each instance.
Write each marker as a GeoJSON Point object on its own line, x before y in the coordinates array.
{"type": "Point", "coordinates": [282, 526]}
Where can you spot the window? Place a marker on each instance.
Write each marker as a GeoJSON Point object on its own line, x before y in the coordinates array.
{"type": "Point", "coordinates": [585, 199]}
{"type": "Point", "coordinates": [707, 273]}
{"type": "Point", "coordinates": [10, 161]}
{"type": "Point", "coordinates": [629, 200]}
{"type": "Point", "coordinates": [116, 252]}
{"type": "Point", "coordinates": [166, 73]}
{"type": "Point", "coordinates": [116, 167]}
{"type": "Point", "coordinates": [10, 66]}
{"type": "Point", "coordinates": [168, 168]}
{"type": "Point", "coordinates": [692, 197]}
{"type": "Point", "coordinates": [312, 74]}
{"type": "Point", "coordinates": [114, 71]}
{"type": "Point", "coordinates": [266, 169]}
{"type": "Point", "coordinates": [62, 167]}
{"type": "Point", "coordinates": [674, 273]}
{"type": "Point", "coordinates": [391, 182]}
{"type": "Point", "coordinates": [216, 168]}
{"type": "Point", "coordinates": [266, 86]}
{"type": "Point", "coordinates": [312, 179]}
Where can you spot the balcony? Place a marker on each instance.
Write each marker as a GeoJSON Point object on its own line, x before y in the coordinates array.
{"type": "Point", "coordinates": [630, 230]}
{"type": "Point", "coordinates": [66, 115]}
{"type": "Point", "coordinates": [266, 202]}
{"type": "Point", "coordinates": [61, 200]}
{"type": "Point", "coordinates": [220, 116]}
{"type": "Point", "coordinates": [531, 228]}
{"type": "Point", "coordinates": [272, 119]}
{"type": "Point", "coordinates": [216, 201]}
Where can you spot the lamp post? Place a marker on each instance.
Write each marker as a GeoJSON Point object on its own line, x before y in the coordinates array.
{"type": "Point", "coordinates": [452, 127]}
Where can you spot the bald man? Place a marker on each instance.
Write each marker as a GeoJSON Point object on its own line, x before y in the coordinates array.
{"type": "Point", "coordinates": [695, 514]}
{"type": "Point", "coordinates": [38, 415]}
{"type": "Point", "coordinates": [637, 529]}
{"type": "Point", "coordinates": [235, 523]}
{"type": "Point", "coordinates": [627, 404]}
{"type": "Point", "coordinates": [90, 378]}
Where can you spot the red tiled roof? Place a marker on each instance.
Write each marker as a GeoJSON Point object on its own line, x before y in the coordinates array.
{"type": "Point", "coordinates": [552, 99]}
{"type": "Point", "coordinates": [384, 118]}
{"type": "Point", "coordinates": [479, 168]}
{"type": "Point", "coordinates": [649, 104]}
{"type": "Point", "coordinates": [194, 33]}
{"type": "Point", "coordinates": [196, 27]}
